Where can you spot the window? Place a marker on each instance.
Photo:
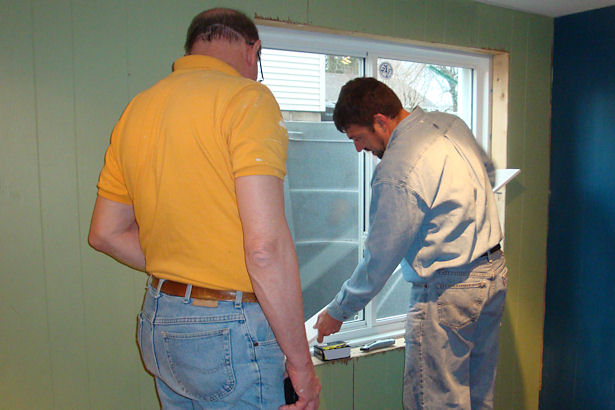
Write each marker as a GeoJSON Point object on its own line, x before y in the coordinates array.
{"type": "Point", "coordinates": [327, 189]}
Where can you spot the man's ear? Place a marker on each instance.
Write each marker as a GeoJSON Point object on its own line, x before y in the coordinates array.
{"type": "Point", "coordinates": [380, 120]}
{"type": "Point", "coordinates": [251, 55]}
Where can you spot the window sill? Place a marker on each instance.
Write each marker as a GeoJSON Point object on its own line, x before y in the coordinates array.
{"type": "Point", "coordinates": [356, 353]}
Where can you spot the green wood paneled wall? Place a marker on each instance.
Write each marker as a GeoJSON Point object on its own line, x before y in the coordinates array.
{"type": "Point", "coordinates": [67, 70]}
{"type": "Point", "coordinates": [363, 383]}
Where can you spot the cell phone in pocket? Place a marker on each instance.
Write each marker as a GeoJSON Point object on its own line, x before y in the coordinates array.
{"type": "Point", "coordinates": [289, 392]}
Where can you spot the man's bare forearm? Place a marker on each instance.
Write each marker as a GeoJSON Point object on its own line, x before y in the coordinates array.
{"type": "Point", "coordinates": [272, 265]}
{"type": "Point", "coordinates": [275, 278]}
{"type": "Point", "coordinates": [114, 231]}
{"type": "Point", "coordinates": [125, 248]}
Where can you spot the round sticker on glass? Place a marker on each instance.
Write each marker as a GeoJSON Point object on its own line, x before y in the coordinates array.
{"type": "Point", "coordinates": [386, 70]}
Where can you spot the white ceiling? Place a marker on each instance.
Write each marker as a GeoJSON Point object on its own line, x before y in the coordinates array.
{"type": "Point", "coordinates": [551, 8]}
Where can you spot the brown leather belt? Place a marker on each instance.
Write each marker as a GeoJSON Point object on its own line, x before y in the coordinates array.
{"type": "Point", "coordinates": [179, 289]}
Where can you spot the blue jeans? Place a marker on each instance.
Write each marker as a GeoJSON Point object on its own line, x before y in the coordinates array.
{"type": "Point", "coordinates": [210, 357]}
{"type": "Point", "coordinates": [452, 336]}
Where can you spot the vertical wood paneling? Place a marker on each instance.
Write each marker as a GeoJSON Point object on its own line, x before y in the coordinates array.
{"type": "Point", "coordinates": [412, 26]}
{"type": "Point", "coordinates": [510, 384]}
{"type": "Point", "coordinates": [378, 381]}
{"type": "Point", "coordinates": [24, 349]}
{"type": "Point", "coordinates": [100, 62]}
{"type": "Point", "coordinates": [494, 28]}
{"type": "Point", "coordinates": [287, 11]}
{"type": "Point", "coordinates": [336, 379]}
{"type": "Point", "coordinates": [369, 11]}
{"type": "Point", "coordinates": [320, 14]}
{"type": "Point", "coordinates": [535, 213]}
{"type": "Point", "coordinates": [362, 16]}
{"type": "Point", "coordinates": [435, 21]}
{"type": "Point", "coordinates": [149, 55]}
{"type": "Point", "coordinates": [53, 64]}
{"type": "Point", "coordinates": [459, 16]}
{"type": "Point", "coordinates": [516, 136]}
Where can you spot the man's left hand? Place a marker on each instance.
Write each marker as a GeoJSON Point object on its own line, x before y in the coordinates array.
{"type": "Point", "coordinates": [326, 325]}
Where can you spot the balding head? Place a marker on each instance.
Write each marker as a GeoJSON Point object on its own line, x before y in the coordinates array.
{"type": "Point", "coordinates": [220, 23]}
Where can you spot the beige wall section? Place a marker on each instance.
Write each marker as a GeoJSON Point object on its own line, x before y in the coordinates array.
{"type": "Point", "coordinates": [68, 68]}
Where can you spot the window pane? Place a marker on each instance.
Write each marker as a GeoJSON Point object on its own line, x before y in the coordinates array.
{"type": "Point", "coordinates": [430, 86]}
{"type": "Point", "coordinates": [323, 188]}
{"type": "Point", "coordinates": [394, 297]}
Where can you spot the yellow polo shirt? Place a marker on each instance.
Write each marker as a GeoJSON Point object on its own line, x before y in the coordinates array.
{"type": "Point", "coordinates": [175, 154]}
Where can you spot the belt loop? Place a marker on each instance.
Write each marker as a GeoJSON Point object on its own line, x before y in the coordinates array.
{"type": "Point", "coordinates": [160, 283]}
{"type": "Point", "coordinates": [491, 252]}
{"type": "Point", "coordinates": [188, 292]}
{"type": "Point", "coordinates": [238, 297]}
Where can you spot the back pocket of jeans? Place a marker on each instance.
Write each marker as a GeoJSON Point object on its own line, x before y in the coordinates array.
{"type": "Point", "coordinates": [200, 363]}
{"type": "Point", "coordinates": [460, 304]}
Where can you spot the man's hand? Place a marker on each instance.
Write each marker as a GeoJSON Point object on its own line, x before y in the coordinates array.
{"type": "Point", "coordinates": [326, 325]}
{"type": "Point", "coordinates": [307, 387]}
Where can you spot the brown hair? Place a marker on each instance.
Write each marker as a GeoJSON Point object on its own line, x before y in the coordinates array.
{"type": "Point", "coordinates": [362, 98]}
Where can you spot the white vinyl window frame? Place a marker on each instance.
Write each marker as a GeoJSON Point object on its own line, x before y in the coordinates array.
{"type": "Point", "coordinates": [371, 328]}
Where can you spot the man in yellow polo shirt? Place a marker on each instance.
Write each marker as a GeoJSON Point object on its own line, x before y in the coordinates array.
{"type": "Point", "coordinates": [192, 193]}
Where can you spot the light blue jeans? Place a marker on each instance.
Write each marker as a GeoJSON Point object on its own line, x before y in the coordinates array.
{"type": "Point", "coordinates": [452, 336]}
{"type": "Point", "coordinates": [210, 357]}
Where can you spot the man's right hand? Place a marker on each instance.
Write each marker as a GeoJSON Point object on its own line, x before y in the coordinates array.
{"type": "Point", "coordinates": [307, 387]}
{"type": "Point", "coordinates": [326, 325]}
